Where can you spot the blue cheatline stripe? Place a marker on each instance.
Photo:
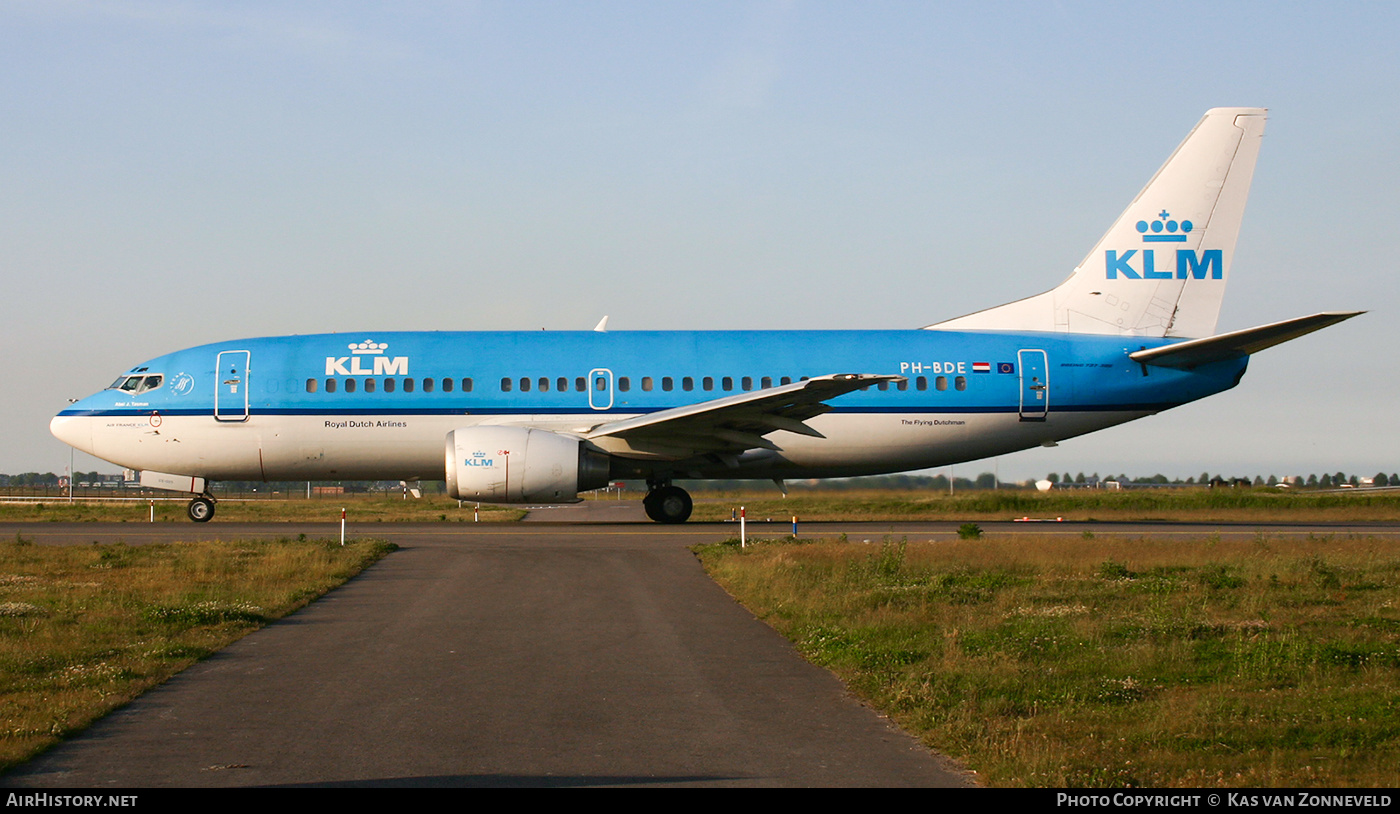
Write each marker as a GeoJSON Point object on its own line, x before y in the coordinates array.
{"type": "Point", "coordinates": [584, 411]}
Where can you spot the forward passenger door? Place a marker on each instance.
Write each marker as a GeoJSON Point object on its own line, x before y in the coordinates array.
{"type": "Point", "coordinates": [231, 386]}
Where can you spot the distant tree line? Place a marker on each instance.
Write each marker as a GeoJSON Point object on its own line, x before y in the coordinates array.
{"type": "Point", "coordinates": [1313, 481]}
{"type": "Point", "coordinates": [29, 479]}
{"type": "Point", "coordinates": [986, 480]}
{"type": "Point", "coordinates": [49, 480]}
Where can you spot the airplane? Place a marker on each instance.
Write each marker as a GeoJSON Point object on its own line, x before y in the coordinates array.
{"type": "Point", "coordinates": [527, 417]}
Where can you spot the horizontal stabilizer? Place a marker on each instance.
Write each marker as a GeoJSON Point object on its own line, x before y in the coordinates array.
{"type": "Point", "coordinates": [1196, 352]}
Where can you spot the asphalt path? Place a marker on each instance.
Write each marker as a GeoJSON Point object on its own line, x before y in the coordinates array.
{"type": "Point", "coordinates": [493, 656]}
{"type": "Point", "coordinates": [585, 648]}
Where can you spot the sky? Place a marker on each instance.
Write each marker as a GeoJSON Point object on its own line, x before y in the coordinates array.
{"type": "Point", "coordinates": [175, 173]}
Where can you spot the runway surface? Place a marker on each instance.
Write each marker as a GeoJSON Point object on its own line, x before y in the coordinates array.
{"type": "Point", "coordinates": [581, 649]}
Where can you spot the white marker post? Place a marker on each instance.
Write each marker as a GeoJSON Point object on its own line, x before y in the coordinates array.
{"type": "Point", "coordinates": [342, 525]}
{"type": "Point", "coordinates": [743, 537]}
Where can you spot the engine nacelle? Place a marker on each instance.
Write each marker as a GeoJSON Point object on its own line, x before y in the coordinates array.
{"type": "Point", "coordinates": [521, 465]}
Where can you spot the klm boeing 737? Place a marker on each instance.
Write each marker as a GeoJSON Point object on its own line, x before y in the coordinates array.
{"type": "Point", "coordinates": [531, 417]}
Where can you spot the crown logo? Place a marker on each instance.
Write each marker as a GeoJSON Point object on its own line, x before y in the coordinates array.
{"type": "Point", "coordinates": [368, 346]}
{"type": "Point", "coordinates": [1164, 230]}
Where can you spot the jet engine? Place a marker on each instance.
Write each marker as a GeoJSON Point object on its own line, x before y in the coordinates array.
{"type": "Point", "coordinates": [521, 465]}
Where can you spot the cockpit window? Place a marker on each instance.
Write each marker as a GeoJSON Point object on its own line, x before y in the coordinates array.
{"type": "Point", "coordinates": [136, 384]}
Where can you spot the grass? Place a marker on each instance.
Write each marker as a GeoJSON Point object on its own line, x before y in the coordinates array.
{"type": "Point", "coordinates": [359, 509]}
{"type": "Point", "coordinates": [1098, 662]}
{"type": "Point", "coordinates": [1186, 504]}
{"type": "Point", "coordinates": [85, 629]}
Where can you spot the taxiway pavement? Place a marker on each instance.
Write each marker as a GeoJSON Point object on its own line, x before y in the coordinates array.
{"type": "Point", "coordinates": [494, 656]}
{"type": "Point", "coordinates": [581, 649]}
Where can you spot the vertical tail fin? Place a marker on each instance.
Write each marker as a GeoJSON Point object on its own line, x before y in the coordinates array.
{"type": "Point", "coordinates": [1162, 267]}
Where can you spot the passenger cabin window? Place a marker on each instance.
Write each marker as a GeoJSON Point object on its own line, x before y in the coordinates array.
{"type": "Point", "coordinates": [311, 385]}
{"type": "Point", "coordinates": [581, 384]}
{"type": "Point", "coordinates": [369, 385]}
{"type": "Point", "coordinates": [447, 385]}
{"type": "Point", "coordinates": [428, 385]}
{"type": "Point", "coordinates": [646, 384]}
{"type": "Point", "coordinates": [727, 383]}
{"type": "Point", "coordinates": [408, 385]}
{"type": "Point", "coordinates": [921, 383]}
{"type": "Point", "coordinates": [506, 385]}
{"type": "Point", "coordinates": [466, 385]}
{"type": "Point", "coordinates": [941, 383]}
{"type": "Point", "coordinates": [330, 385]}
{"type": "Point", "coordinates": [524, 385]}
{"type": "Point", "coordinates": [544, 385]}
{"type": "Point", "coordinates": [687, 384]}
{"type": "Point", "coordinates": [561, 384]}
{"type": "Point", "coordinates": [349, 385]}
{"type": "Point", "coordinates": [666, 383]}
{"type": "Point", "coordinates": [623, 384]}
{"type": "Point", "coordinates": [960, 382]}
{"type": "Point", "coordinates": [707, 383]}
{"type": "Point", "coordinates": [389, 385]}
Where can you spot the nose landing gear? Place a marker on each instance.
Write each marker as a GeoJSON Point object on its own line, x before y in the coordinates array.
{"type": "Point", "coordinates": [201, 509]}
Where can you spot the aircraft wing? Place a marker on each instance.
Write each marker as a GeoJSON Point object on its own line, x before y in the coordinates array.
{"type": "Point", "coordinates": [1195, 352]}
{"type": "Point", "coordinates": [732, 424]}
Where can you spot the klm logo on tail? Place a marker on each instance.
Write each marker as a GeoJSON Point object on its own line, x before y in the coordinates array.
{"type": "Point", "coordinates": [1190, 264]}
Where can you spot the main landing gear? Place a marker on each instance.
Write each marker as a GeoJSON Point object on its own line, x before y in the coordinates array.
{"type": "Point", "coordinates": [665, 503]}
{"type": "Point", "coordinates": [201, 509]}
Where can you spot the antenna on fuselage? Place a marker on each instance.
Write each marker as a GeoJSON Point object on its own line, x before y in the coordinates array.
{"type": "Point", "coordinates": [602, 326]}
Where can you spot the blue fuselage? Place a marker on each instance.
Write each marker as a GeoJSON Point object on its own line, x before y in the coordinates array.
{"type": "Point", "coordinates": [377, 405]}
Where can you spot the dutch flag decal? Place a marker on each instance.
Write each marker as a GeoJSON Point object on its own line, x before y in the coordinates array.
{"type": "Point", "coordinates": [981, 367]}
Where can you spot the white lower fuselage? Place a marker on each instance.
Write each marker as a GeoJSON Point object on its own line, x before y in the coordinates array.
{"type": "Point", "coordinates": [397, 447]}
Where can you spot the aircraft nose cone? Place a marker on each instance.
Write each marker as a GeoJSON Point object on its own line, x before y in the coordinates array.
{"type": "Point", "coordinates": [75, 431]}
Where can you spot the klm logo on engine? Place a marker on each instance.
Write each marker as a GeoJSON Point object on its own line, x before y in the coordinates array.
{"type": "Point", "coordinates": [1188, 264]}
{"type": "Point", "coordinates": [353, 365]}
{"type": "Point", "coordinates": [479, 459]}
